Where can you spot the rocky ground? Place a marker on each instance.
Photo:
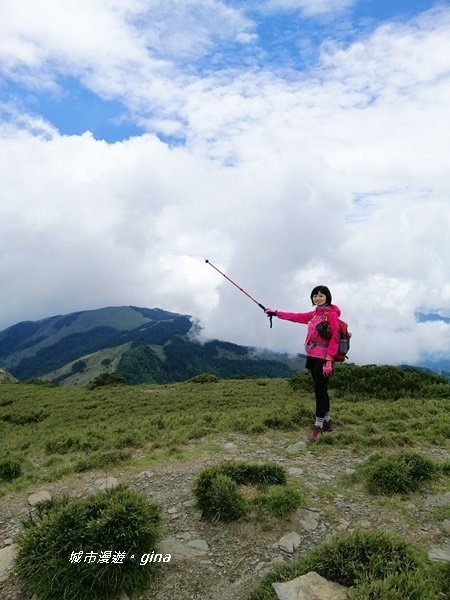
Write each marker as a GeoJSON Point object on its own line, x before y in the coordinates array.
{"type": "Point", "coordinates": [226, 561]}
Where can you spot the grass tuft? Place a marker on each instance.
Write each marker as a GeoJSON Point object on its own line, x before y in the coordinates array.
{"type": "Point", "coordinates": [119, 520]}
{"type": "Point", "coordinates": [361, 559]}
{"type": "Point", "coordinates": [219, 497]}
{"type": "Point", "coordinates": [10, 468]}
{"type": "Point", "coordinates": [399, 473]}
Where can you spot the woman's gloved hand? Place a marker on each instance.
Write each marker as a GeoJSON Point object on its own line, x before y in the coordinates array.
{"type": "Point", "coordinates": [270, 312]}
{"type": "Point", "coordinates": [327, 368]}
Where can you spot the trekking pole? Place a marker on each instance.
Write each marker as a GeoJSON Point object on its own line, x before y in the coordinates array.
{"type": "Point", "coordinates": [239, 288]}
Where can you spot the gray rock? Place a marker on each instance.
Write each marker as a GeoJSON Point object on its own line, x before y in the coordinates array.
{"type": "Point", "coordinates": [190, 503]}
{"type": "Point", "coordinates": [289, 542]}
{"type": "Point", "coordinates": [310, 587]}
{"type": "Point", "coordinates": [106, 483]}
{"type": "Point", "coordinates": [7, 555]}
{"type": "Point", "coordinates": [296, 448]}
{"type": "Point", "coordinates": [183, 551]}
{"type": "Point", "coordinates": [295, 472]}
{"type": "Point", "coordinates": [43, 496]}
{"type": "Point", "coordinates": [308, 518]}
{"type": "Point", "coordinates": [198, 545]}
{"type": "Point", "coordinates": [437, 501]}
{"type": "Point", "coordinates": [441, 552]}
{"type": "Point", "coordinates": [446, 525]}
{"type": "Point", "coordinates": [147, 474]}
{"type": "Point", "coordinates": [230, 447]}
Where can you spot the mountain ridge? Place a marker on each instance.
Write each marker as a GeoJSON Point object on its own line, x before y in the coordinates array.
{"type": "Point", "coordinates": [139, 344]}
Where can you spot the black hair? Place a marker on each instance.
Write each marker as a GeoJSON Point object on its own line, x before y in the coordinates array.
{"type": "Point", "coordinates": [323, 290]}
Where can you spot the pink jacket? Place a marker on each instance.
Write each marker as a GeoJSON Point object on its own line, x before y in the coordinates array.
{"type": "Point", "coordinates": [315, 345]}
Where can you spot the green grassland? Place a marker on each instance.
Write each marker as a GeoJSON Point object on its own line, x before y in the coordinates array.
{"type": "Point", "coordinates": [52, 432]}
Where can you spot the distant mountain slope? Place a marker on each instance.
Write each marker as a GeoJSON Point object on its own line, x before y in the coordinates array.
{"type": "Point", "coordinates": [141, 344]}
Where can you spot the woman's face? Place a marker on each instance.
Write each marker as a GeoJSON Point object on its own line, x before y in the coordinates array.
{"type": "Point", "coordinates": [319, 299]}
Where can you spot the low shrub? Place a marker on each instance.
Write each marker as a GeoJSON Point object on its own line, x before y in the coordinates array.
{"type": "Point", "coordinates": [204, 378]}
{"type": "Point", "coordinates": [222, 500]}
{"type": "Point", "coordinates": [356, 559]}
{"type": "Point", "coordinates": [10, 468]}
{"type": "Point", "coordinates": [278, 501]}
{"type": "Point", "coordinates": [24, 419]}
{"type": "Point", "coordinates": [56, 551]}
{"type": "Point", "coordinates": [379, 381]}
{"type": "Point", "coordinates": [98, 460]}
{"type": "Point", "coordinates": [62, 444]}
{"type": "Point", "coordinates": [219, 497]}
{"type": "Point", "coordinates": [107, 379]}
{"type": "Point", "coordinates": [397, 586]}
{"type": "Point", "coordinates": [399, 473]}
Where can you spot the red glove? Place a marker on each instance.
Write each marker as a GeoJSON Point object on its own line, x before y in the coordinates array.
{"type": "Point", "coordinates": [271, 312]}
{"type": "Point", "coordinates": [327, 368]}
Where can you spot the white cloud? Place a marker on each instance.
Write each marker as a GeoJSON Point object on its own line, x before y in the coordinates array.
{"type": "Point", "coordinates": [309, 8]}
{"type": "Point", "coordinates": [337, 176]}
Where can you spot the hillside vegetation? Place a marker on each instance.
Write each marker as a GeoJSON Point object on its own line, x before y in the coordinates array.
{"type": "Point", "coordinates": [376, 478]}
{"type": "Point", "coordinates": [140, 345]}
{"type": "Point", "coordinates": [49, 432]}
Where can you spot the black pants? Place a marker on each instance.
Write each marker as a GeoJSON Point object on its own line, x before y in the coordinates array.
{"type": "Point", "coordinates": [315, 365]}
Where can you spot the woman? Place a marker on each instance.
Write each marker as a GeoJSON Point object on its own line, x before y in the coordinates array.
{"type": "Point", "coordinates": [321, 345]}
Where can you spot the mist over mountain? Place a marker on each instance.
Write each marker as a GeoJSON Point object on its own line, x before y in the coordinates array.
{"type": "Point", "coordinates": [141, 345]}
{"type": "Point", "coordinates": [138, 344]}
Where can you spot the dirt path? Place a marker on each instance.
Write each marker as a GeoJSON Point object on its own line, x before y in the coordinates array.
{"type": "Point", "coordinates": [227, 561]}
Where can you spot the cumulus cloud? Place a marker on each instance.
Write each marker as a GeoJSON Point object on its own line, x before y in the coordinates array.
{"type": "Point", "coordinates": [309, 8]}
{"type": "Point", "coordinates": [284, 179]}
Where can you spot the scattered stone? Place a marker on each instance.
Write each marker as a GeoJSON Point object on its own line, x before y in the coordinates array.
{"type": "Point", "coordinates": [289, 542]}
{"type": "Point", "coordinates": [243, 557]}
{"type": "Point", "coordinates": [198, 545]}
{"type": "Point", "coordinates": [172, 510]}
{"type": "Point", "coordinates": [178, 550]}
{"type": "Point", "coordinates": [147, 474]}
{"type": "Point", "coordinates": [310, 587]}
{"type": "Point", "coordinates": [308, 518]}
{"type": "Point", "coordinates": [7, 555]}
{"type": "Point", "coordinates": [295, 472]}
{"type": "Point", "coordinates": [343, 525]}
{"type": "Point", "coordinates": [437, 501]}
{"type": "Point", "coordinates": [43, 496]}
{"type": "Point", "coordinates": [190, 503]}
{"type": "Point", "coordinates": [350, 472]}
{"type": "Point", "coordinates": [106, 483]}
{"type": "Point", "coordinates": [296, 448]}
{"type": "Point", "coordinates": [364, 524]}
{"type": "Point", "coordinates": [325, 476]}
{"type": "Point", "coordinates": [230, 446]}
{"type": "Point", "coordinates": [440, 552]}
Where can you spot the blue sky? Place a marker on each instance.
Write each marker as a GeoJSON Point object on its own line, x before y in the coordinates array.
{"type": "Point", "coordinates": [291, 142]}
{"type": "Point", "coordinates": [287, 40]}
